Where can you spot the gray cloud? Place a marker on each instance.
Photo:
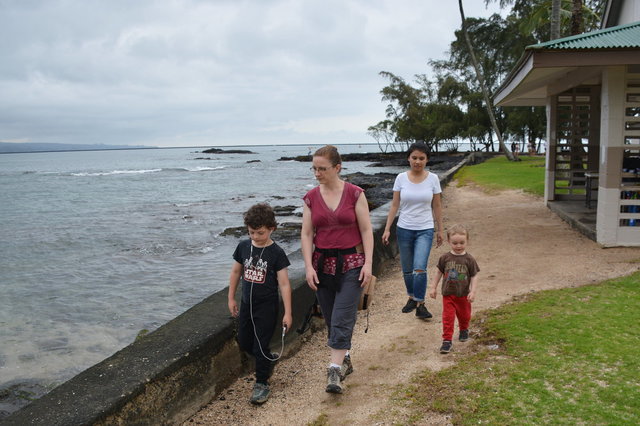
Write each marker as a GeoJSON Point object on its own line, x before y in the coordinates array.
{"type": "Point", "coordinates": [188, 72]}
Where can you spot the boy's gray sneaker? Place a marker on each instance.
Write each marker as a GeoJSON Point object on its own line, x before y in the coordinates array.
{"type": "Point", "coordinates": [422, 313]}
{"type": "Point", "coordinates": [464, 335]}
{"type": "Point", "coordinates": [347, 367]}
{"type": "Point", "coordinates": [334, 384]}
{"type": "Point", "coordinates": [409, 306]}
{"type": "Point", "coordinates": [260, 393]}
{"type": "Point", "coordinates": [446, 347]}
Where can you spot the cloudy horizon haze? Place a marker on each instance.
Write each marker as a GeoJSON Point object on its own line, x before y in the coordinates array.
{"type": "Point", "coordinates": [197, 72]}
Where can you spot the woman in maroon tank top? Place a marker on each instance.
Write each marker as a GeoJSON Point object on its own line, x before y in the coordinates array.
{"type": "Point", "coordinates": [337, 246]}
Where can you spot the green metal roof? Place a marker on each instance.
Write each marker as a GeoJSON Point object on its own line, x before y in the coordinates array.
{"type": "Point", "coordinates": [620, 37]}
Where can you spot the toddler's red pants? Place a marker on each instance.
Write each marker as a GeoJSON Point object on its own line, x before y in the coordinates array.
{"type": "Point", "coordinates": [452, 307]}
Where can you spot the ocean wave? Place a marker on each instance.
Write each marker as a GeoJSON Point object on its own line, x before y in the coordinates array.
{"type": "Point", "coordinates": [116, 172]}
{"type": "Point", "coordinates": [143, 171]}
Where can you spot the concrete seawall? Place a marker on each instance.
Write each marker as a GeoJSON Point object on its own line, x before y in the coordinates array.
{"type": "Point", "coordinates": [166, 376]}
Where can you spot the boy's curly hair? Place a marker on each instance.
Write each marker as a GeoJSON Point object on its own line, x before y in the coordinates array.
{"type": "Point", "coordinates": [260, 215]}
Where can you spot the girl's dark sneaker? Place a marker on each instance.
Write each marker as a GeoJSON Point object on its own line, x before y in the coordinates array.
{"type": "Point", "coordinates": [410, 306]}
{"type": "Point", "coordinates": [464, 335]}
{"type": "Point", "coordinates": [422, 313]}
{"type": "Point", "coordinates": [446, 347]}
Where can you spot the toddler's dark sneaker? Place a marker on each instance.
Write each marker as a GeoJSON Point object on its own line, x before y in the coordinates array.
{"type": "Point", "coordinates": [464, 335]}
{"type": "Point", "coordinates": [260, 393]}
{"type": "Point", "coordinates": [347, 367]}
{"type": "Point", "coordinates": [422, 313]}
{"type": "Point", "coordinates": [446, 347]}
{"type": "Point", "coordinates": [410, 306]}
{"type": "Point", "coordinates": [334, 384]}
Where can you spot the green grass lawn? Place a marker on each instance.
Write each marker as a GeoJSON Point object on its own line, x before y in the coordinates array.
{"type": "Point", "coordinates": [500, 173]}
{"type": "Point", "coordinates": [567, 356]}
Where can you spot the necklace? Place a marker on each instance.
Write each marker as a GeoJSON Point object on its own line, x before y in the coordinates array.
{"type": "Point", "coordinates": [251, 260]}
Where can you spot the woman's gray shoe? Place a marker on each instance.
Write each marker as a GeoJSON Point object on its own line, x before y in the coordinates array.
{"type": "Point", "coordinates": [334, 384]}
{"type": "Point", "coordinates": [347, 367]}
{"type": "Point", "coordinates": [260, 394]}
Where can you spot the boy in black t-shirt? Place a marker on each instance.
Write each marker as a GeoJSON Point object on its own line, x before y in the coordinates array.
{"type": "Point", "coordinates": [261, 265]}
{"type": "Point", "coordinates": [459, 273]}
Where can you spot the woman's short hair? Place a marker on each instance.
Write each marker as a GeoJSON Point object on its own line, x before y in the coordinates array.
{"type": "Point", "coordinates": [418, 146]}
{"type": "Point", "coordinates": [330, 152]}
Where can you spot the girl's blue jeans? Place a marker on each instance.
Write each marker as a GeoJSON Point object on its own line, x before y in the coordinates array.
{"type": "Point", "coordinates": [415, 247]}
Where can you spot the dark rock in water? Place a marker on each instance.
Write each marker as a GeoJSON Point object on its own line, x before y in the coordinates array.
{"type": "Point", "coordinates": [378, 188]}
{"type": "Point", "coordinates": [284, 210]}
{"type": "Point", "coordinates": [387, 159]}
{"type": "Point", "coordinates": [286, 231]}
{"type": "Point", "coordinates": [253, 161]}
{"type": "Point", "coordinates": [236, 231]}
{"type": "Point", "coordinates": [226, 151]}
{"type": "Point", "coordinates": [203, 158]}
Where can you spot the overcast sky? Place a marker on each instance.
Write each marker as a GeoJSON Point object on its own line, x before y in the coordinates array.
{"type": "Point", "coordinates": [218, 72]}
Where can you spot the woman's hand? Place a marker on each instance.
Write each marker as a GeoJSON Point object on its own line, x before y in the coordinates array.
{"type": "Point", "coordinates": [312, 279]}
{"type": "Point", "coordinates": [365, 275]}
{"type": "Point", "coordinates": [385, 237]}
{"type": "Point", "coordinates": [439, 238]}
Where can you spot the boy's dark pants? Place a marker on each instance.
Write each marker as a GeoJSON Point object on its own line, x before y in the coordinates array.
{"type": "Point", "coordinates": [265, 316]}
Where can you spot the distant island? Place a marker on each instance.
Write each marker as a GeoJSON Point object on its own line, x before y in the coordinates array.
{"type": "Point", "coordinates": [26, 147]}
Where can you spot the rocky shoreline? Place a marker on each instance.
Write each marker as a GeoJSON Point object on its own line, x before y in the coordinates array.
{"type": "Point", "coordinates": [377, 187]}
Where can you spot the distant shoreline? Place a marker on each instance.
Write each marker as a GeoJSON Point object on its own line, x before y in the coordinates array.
{"type": "Point", "coordinates": [7, 147]}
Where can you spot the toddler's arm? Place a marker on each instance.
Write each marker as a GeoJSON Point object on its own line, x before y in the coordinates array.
{"type": "Point", "coordinates": [434, 287]}
{"type": "Point", "coordinates": [234, 278]}
{"type": "Point", "coordinates": [472, 288]}
{"type": "Point", "coordinates": [285, 292]}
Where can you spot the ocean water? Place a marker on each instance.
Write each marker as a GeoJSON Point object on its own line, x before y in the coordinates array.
{"type": "Point", "coordinates": [97, 246]}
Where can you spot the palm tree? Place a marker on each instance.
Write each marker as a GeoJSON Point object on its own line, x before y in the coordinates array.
{"type": "Point", "coordinates": [485, 91]}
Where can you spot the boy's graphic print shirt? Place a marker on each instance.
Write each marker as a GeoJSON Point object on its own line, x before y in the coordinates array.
{"type": "Point", "coordinates": [260, 269]}
{"type": "Point", "coordinates": [457, 271]}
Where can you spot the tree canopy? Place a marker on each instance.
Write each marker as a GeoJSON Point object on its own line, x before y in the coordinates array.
{"type": "Point", "coordinates": [446, 107]}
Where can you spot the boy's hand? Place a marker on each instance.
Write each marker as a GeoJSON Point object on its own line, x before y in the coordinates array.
{"type": "Point", "coordinates": [287, 321]}
{"type": "Point", "coordinates": [471, 297]}
{"type": "Point", "coordinates": [432, 293]}
{"type": "Point", "coordinates": [233, 308]}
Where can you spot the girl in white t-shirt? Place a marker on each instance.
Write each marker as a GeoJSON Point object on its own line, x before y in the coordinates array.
{"type": "Point", "coordinates": [416, 194]}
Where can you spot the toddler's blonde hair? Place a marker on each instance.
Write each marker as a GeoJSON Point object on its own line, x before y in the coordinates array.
{"type": "Point", "coordinates": [457, 229]}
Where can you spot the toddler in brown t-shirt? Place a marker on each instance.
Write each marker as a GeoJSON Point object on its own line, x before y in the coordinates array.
{"type": "Point", "coordinates": [459, 273]}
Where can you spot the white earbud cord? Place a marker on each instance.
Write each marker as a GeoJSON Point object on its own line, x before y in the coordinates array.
{"type": "Point", "coordinates": [255, 333]}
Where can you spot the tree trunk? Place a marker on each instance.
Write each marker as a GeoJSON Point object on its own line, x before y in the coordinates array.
{"type": "Point", "coordinates": [555, 19]}
{"type": "Point", "coordinates": [485, 91]}
{"type": "Point", "coordinates": [576, 17]}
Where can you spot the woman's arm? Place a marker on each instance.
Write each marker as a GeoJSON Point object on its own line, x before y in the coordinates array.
{"type": "Point", "coordinates": [393, 210]}
{"type": "Point", "coordinates": [306, 237]}
{"type": "Point", "coordinates": [366, 233]}
{"type": "Point", "coordinates": [436, 206]}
